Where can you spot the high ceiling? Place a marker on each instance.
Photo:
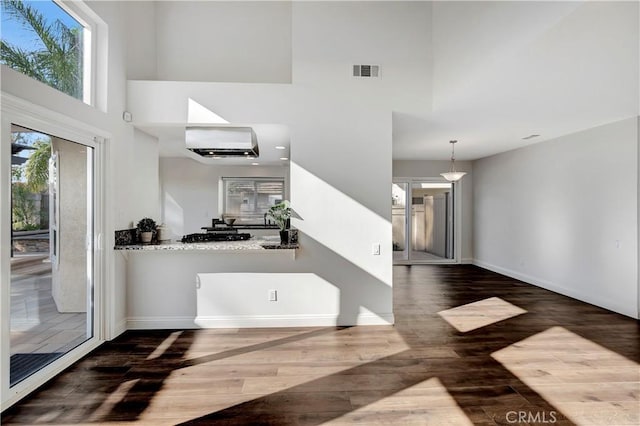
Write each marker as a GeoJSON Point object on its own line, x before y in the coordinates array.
{"type": "Point", "coordinates": [498, 72]}
{"type": "Point", "coordinates": [505, 70]}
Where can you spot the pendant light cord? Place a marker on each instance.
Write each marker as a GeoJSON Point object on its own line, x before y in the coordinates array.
{"type": "Point", "coordinates": [453, 156]}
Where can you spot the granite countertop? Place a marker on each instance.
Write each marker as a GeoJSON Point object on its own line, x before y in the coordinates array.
{"type": "Point", "coordinates": [252, 244]}
{"type": "Point", "coordinates": [237, 227]}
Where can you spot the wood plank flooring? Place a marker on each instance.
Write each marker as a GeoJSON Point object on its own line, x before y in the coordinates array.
{"type": "Point", "coordinates": [469, 347]}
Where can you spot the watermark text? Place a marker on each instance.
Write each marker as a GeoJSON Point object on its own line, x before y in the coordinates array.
{"type": "Point", "coordinates": [542, 417]}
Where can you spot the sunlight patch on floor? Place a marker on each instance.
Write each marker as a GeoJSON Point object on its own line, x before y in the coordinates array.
{"type": "Point", "coordinates": [438, 407]}
{"type": "Point", "coordinates": [166, 344]}
{"type": "Point", "coordinates": [586, 382]}
{"type": "Point", "coordinates": [257, 364]}
{"type": "Point", "coordinates": [480, 314]}
{"type": "Point", "coordinates": [112, 400]}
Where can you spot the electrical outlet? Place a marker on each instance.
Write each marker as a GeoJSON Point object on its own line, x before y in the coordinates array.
{"type": "Point", "coordinates": [273, 295]}
{"type": "Point", "coordinates": [375, 249]}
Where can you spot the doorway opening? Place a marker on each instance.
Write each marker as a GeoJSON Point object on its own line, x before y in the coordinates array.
{"type": "Point", "coordinates": [423, 213]}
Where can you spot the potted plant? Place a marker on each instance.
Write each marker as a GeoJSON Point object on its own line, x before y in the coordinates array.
{"type": "Point", "coordinates": [147, 227]}
{"type": "Point", "coordinates": [280, 213]}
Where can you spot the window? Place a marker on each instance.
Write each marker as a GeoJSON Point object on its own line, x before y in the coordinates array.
{"type": "Point", "coordinates": [248, 199]}
{"type": "Point", "coordinates": [42, 40]}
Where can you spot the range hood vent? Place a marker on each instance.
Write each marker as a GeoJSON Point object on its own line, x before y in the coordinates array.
{"type": "Point", "coordinates": [222, 141]}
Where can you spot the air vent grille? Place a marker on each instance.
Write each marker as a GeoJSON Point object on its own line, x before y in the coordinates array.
{"type": "Point", "coordinates": [366, 71]}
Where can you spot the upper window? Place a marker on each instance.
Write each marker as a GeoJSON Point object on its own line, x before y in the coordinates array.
{"type": "Point", "coordinates": [43, 41]}
{"type": "Point", "coordinates": [249, 199]}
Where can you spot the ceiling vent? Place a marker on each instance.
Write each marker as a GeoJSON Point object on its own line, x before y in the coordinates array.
{"type": "Point", "coordinates": [222, 141]}
{"type": "Point", "coordinates": [366, 70]}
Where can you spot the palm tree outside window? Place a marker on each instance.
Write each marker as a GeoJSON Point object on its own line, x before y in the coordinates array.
{"type": "Point", "coordinates": [41, 40]}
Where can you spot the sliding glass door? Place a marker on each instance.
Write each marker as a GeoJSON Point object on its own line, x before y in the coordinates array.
{"type": "Point", "coordinates": [52, 253]}
{"type": "Point", "coordinates": [423, 221]}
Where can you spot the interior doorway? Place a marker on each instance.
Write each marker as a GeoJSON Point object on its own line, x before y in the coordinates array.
{"type": "Point", "coordinates": [423, 214]}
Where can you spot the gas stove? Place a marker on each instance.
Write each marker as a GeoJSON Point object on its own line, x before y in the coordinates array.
{"type": "Point", "coordinates": [215, 236]}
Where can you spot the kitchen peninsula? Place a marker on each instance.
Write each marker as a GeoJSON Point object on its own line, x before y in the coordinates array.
{"type": "Point", "coordinates": [249, 283]}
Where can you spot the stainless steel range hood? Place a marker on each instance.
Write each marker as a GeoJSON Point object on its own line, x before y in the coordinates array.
{"type": "Point", "coordinates": [222, 141]}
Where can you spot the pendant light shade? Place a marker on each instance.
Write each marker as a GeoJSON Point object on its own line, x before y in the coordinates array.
{"type": "Point", "coordinates": [452, 175]}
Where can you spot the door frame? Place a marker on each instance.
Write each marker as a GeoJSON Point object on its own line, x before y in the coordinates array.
{"type": "Point", "coordinates": [17, 111]}
{"type": "Point", "coordinates": [457, 220]}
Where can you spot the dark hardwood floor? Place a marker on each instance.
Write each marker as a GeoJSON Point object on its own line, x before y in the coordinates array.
{"type": "Point", "coordinates": [469, 347]}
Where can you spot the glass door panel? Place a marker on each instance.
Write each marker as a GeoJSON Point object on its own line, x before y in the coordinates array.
{"type": "Point", "coordinates": [431, 221]}
{"type": "Point", "coordinates": [52, 252]}
{"type": "Point", "coordinates": [399, 221]}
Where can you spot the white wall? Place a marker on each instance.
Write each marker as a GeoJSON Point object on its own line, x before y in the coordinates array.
{"type": "Point", "coordinates": [563, 215]}
{"type": "Point", "coordinates": [121, 207]}
{"type": "Point", "coordinates": [142, 58]}
{"type": "Point", "coordinates": [189, 191]}
{"type": "Point", "coordinates": [426, 169]}
{"type": "Point", "coordinates": [144, 188]}
{"type": "Point", "coordinates": [224, 41]}
{"type": "Point", "coordinates": [340, 126]}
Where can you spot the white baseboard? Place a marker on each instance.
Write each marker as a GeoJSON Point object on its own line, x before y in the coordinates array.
{"type": "Point", "coordinates": [160, 323]}
{"type": "Point", "coordinates": [548, 285]}
{"type": "Point", "coordinates": [255, 321]}
{"type": "Point", "coordinates": [251, 321]}
{"type": "Point", "coordinates": [467, 261]}
{"type": "Point", "coordinates": [529, 279]}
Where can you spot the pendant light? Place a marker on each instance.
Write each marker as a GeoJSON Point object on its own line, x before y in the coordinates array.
{"type": "Point", "coordinates": [452, 175]}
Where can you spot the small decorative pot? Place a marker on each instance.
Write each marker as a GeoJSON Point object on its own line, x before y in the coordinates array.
{"type": "Point", "coordinates": [145, 237]}
{"type": "Point", "coordinates": [284, 237]}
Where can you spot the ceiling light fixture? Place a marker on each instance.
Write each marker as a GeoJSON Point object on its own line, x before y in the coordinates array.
{"type": "Point", "coordinates": [255, 164]}
{"type": "Point", "coordinates": [281, 147]}
{"type": "Point", "coordinates": [452, 175]}
{"type": "Point", "coordinates": [284, 158]}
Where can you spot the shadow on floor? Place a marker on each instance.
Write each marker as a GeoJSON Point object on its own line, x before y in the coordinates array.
{"type": "Point", "coordinates": [456, 371]}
